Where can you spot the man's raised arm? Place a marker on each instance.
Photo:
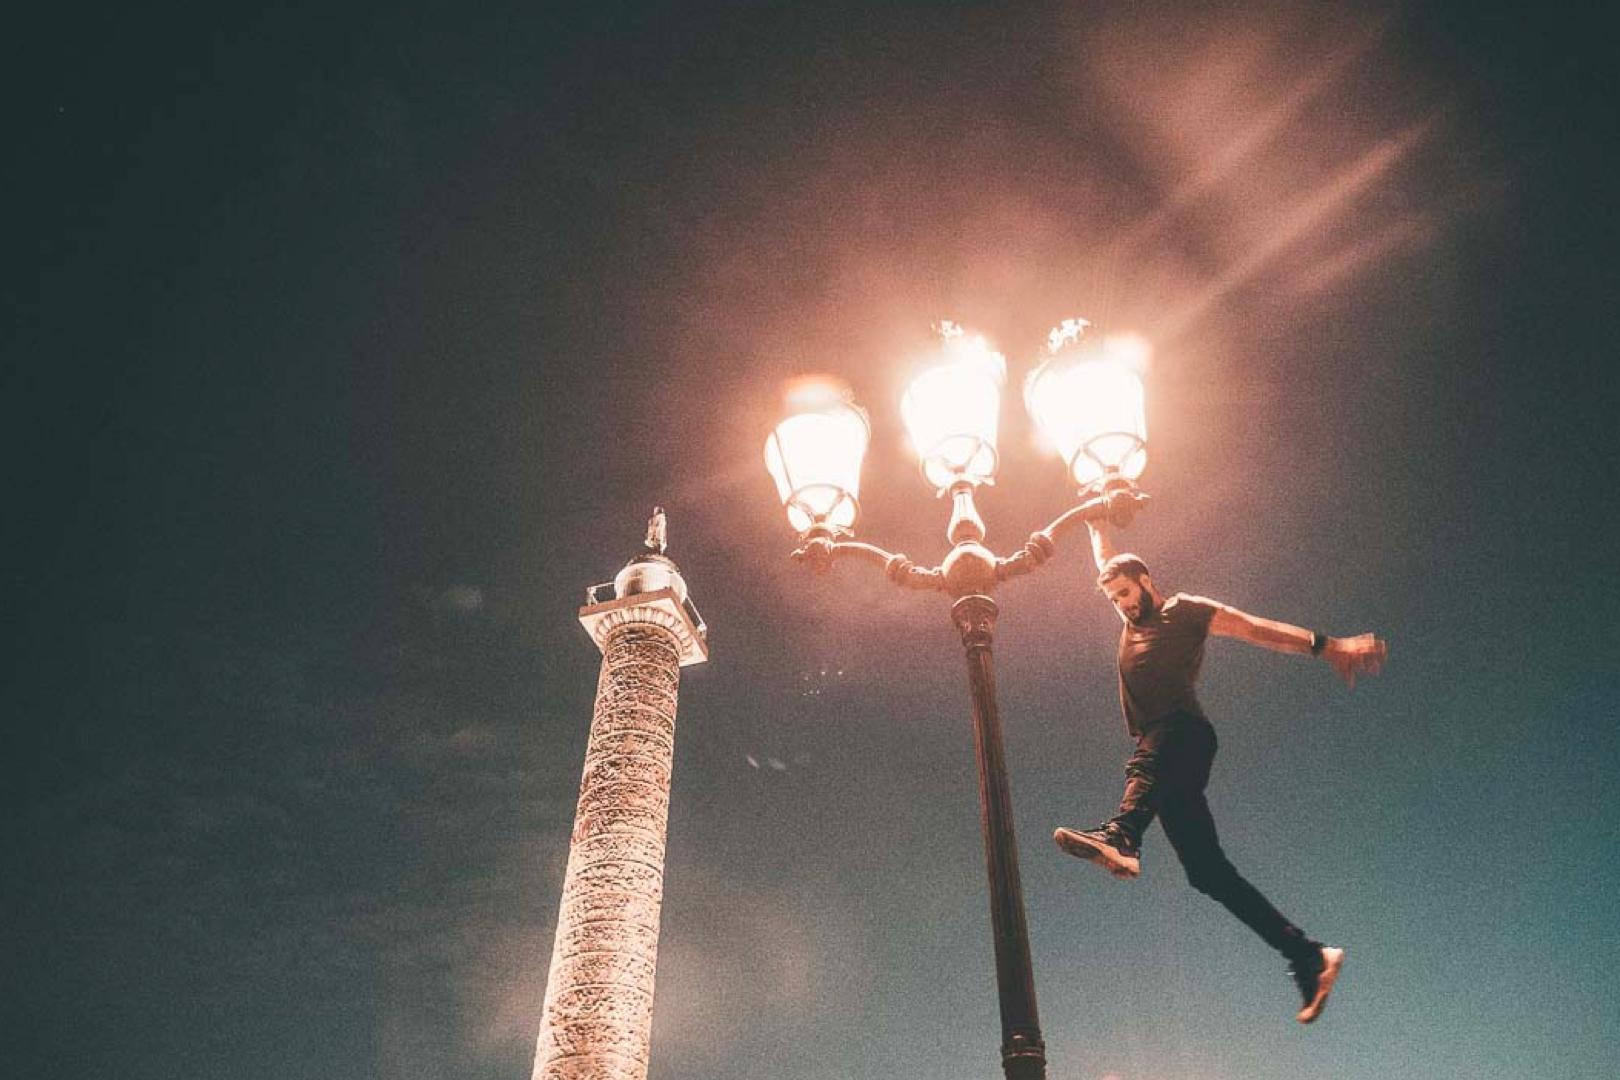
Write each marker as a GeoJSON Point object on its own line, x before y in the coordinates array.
{"type": "Point", "coordinates": [1102, 546]}
{"type": "Point", "coordinates": [1349, 656]}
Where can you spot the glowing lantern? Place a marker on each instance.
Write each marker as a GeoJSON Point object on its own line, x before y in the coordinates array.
{"type": "Point", "coordinates": [1089, 403]}
{"type": "Point", "coordinates": [815, 458]}
{"type": "Point", "coordinates": [951, 411]}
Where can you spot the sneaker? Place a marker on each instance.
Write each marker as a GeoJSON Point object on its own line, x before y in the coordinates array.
{"type": "Point", "coordinates": [1107, 845]}
{"type": "Point", "coordinates": [1315, 977]}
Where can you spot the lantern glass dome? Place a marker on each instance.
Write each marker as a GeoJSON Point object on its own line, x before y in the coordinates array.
{"type": "Point", "coordinates": [815, 458]}
{"type": "Point", "coordinates": [1088, 401]}
{"type": "Point", "coordinates": [951, 411]}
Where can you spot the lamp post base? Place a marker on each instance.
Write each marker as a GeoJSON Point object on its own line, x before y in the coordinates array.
{"type": "Point", "coordinates": [1024, 1060]}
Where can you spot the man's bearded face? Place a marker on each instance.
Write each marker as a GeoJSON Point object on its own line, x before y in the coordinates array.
{"type": "Point", "coordinates": [1133, 599]}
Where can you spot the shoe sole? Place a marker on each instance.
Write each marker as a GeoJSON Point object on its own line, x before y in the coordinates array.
{"type": "Point", "coordinates": [1332, 964]}
{"type": "Point", "coordinates": [1109, 858]}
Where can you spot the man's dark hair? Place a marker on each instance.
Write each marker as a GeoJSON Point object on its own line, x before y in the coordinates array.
{"type": "Point", "coordinates": [1124, 564]}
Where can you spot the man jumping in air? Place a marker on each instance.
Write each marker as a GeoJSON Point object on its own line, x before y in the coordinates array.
{"type": "Point", "coordinates": [1161, 649]}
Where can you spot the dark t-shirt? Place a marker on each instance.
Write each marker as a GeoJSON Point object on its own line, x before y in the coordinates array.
{"type": "Point", "coordinates": [1159, 662]}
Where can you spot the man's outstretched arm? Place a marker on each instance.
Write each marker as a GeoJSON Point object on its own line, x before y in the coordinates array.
{"type": "Point", "coordinates": [1349, 656]}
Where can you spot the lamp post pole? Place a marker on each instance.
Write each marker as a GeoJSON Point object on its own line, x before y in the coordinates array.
{"type": "Point", "coordinates": [815, 457]}
{"type": "Point", "coordinates": [1023, 1051]}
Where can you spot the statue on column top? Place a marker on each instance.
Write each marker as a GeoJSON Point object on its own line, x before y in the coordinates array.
{"type": "Point", "coordinates": [657, 531]}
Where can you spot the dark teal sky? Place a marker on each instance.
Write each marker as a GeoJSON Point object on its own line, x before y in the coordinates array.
{"type": "Point", "coordinates": [345, 350]}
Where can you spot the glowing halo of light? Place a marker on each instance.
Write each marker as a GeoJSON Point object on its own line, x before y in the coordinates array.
{"type": "Point", "coordinates": [951, 411]}
{"type": "Point", "coordinates": [1088, 400]}
{"type": "Point", "coordinates": [815, 456]}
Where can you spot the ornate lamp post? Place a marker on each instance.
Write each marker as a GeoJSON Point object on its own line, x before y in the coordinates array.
{"type": "Point", "coordinates": [1088, 400]}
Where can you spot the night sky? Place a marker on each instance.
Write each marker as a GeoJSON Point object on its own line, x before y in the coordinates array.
{"type": "Point", "coordinates": [344, 349]}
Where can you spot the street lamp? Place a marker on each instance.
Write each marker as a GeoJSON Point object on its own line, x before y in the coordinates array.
{"type": "Point", "coordinates": [1093, 416]}
{"type": "Point", "coordinates": [951, 408]}
{"type": "Point", "coordinates": [1087, 399]}
{"type": "Point", "coordinates": [815, 458]}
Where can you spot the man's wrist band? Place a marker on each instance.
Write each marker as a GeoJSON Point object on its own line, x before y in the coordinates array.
{"type": "Point", "coordinates": [1319, 642]}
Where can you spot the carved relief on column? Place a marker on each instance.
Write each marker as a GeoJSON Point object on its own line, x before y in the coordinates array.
{"type": "Point", "coordinates": [597, 1018]}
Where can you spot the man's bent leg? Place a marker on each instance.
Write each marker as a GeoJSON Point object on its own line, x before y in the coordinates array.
{"type": "Point", "coordinates": [1116, 844]}
{"type": "Point", "coordinates": [1167, 755]}
{"type": "Point", "coordinates": [1144, 776]}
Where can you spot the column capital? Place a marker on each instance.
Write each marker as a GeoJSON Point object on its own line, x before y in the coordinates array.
{"type": "Point", "coordinates": [663, 608]}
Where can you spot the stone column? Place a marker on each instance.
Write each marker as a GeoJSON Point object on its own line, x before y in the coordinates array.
{"type": "Point", "coordinates": [597, 1018]}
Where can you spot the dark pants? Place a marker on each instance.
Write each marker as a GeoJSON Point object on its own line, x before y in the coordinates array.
{"type": "Point", "coordinates": [1166, 778]}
